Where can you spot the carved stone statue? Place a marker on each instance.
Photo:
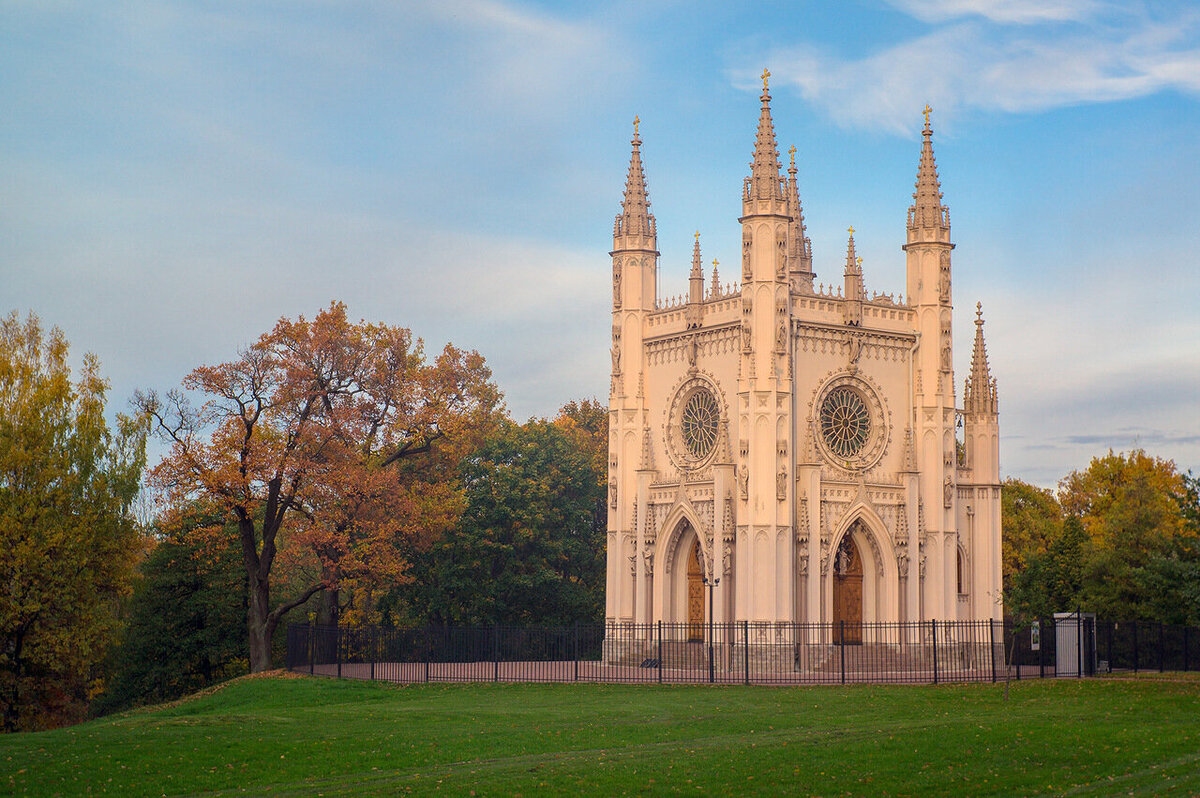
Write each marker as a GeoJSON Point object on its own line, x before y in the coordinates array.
{"type": "Point", "coordinates": [781, 485]}
{"type": "Point", "coordinates": [616, 359]}
{"type": "Point", "coordinates": [746, 337]}
{"type": "Point", "coordinates": [617, 286]}
{"type": "Point", "coordinates": [744, 481]}
{"type": "Point", "coordinates": [948, 492]}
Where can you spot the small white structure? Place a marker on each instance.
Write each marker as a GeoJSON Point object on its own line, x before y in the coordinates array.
{"type": "Point", "coordinates": [796, 441]}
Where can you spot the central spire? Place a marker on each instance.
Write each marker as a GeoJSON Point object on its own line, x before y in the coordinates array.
{"type": "Point", "coordinates": [635, 219]}
{"type": "Point", "coordinates": [927, 214]}
{"type": "Point", "coordinates": [764, 182]}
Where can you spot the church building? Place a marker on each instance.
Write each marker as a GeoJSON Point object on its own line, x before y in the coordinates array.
{"type": "Point", "coordinates": [787, 453]}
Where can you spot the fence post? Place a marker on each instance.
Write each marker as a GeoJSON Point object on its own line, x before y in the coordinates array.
{"type": "Point", "coordinates": [992, 646]}
{"type": "Point", "coordinates": [575, 638]}
{"type": "Point", "coordinates": [1079, 640]}
{"type": "Point", "coordinates": [496, 653]}
{"type": "Point", "coordinates": [312, 644]}
{"type": "Point", "coordinates": [1162, 644]}
{"type": "Point", "coordinates": [1111, 632]}
{"type": "Point", "coordinates": [373, 648]}
{"type": "Point", "coordinates": [746, 663]}
{"type": "Point", "coordinates": [1042, 650]}
{"type": "Point", "coordinates": [842, 647]}
{"type": "Point", "coordinates": [935, 669]}
{"type": "Point", "coordinates": [1004, 649]}
{"type": "Point", "coordinates": [1135, 647]}
{"type": "Point", "coordinates": [1185, 648]}
{"type": "Point", "coordinates": [660, 652]}
{"type": "Point", "coordinates": [428, 653]}
{"type": "Point", "coordinates": [337, 647]}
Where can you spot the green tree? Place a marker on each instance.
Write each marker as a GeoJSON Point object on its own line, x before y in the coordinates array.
{"type": "Point", "coordinates": [68, 542]}
{"type": "Point", "coordinates": [1031, 519]}
{"type": "Point", "coordinates": [186, 625]}
{"type": "Point", "coordinates": [529, 548]}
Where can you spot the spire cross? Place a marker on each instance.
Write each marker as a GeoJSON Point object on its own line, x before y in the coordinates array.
{"type": "Point", "coordinates": [697, 236]}
{"type": "Point", "coordinates": [766, 74]}
{"type": "Point", "coordinates": [850, 230]}
{"type": "Point", "coordinates": [636, 120]}
{"type": "Point", "coordinates": [792, 153]}
{"type": "Point", "coordinates": [715, 262]}
{"type": "Point", "coordinates": [927, 110]}
{"type": "Point", "coordinates": [860, 261]}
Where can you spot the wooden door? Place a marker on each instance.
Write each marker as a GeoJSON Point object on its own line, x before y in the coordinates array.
{"type": "Point", "coordinates": [847, 594]}
{"type": "Point", "coordinates": [695, 596]}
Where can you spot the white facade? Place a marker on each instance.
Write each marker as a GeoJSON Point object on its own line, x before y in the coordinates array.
{"type": "Point", "coordinates": [797, 444]}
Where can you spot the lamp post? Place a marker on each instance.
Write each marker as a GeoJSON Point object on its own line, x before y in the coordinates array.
{"type": "Point", "coordinates": [711, 583]}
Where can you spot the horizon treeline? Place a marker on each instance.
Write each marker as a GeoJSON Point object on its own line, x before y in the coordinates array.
{"type": "Point", "coordinates": [334, 472]}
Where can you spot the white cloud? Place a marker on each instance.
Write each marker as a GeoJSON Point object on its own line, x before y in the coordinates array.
{"type": "Point", "coordinates": [972, 65]}
{"type": "Point", "coordinates": [1012, 11]}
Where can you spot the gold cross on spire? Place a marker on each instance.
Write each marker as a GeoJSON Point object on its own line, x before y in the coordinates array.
{"type": "Point", "coordinates": [766, 74]}
{"type": "Point", "coordinates": [860, 262]}
{"type": "Point", "coordinates": [850, 230]}
{"type": "Point", "coordinates": [927, 110]}
{"type": "Point", "coordinates": [792, 153]}
{"type": "Point", "coordinates": [715, 262]}
{"type": "Point", "coordinates": [635, 124]}
{"type": "Point", "coordinates": [697, 235]}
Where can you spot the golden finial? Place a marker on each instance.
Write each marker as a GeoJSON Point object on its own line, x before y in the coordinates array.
{"type": "Point", "coordinates": [697, 236]}
{"type": "Point", "coordinates": [766, 74]}
{"type": "Point", "coordinates": [927, 110]}
{"type": "Point", "coordinates": [635, 125]}
{"type": "Point", "coordinates": [850, 230]}
{"type": "Point", "coordinates": [860, 262]}
{"type": "Point", "coordinates": [715, 262]}
{"type": "Point", "coordinates": [792, 153]}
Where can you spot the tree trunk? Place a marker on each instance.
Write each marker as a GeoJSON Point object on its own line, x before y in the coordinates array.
{"type": "Point", "coordinates": [328, 611]}
{"type": "Point", "coordinates": [261, 627]}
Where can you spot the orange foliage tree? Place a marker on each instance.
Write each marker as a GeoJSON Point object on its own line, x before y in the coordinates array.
{"type": "Point", "coordinates": [312, 438]}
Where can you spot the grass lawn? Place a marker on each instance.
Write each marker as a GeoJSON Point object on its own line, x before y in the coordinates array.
{"type": "Point", "coordinates": [314, 736]}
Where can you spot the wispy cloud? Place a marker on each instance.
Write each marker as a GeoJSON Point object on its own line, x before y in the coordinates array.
{"type": "Point", "coordinates": [1014, 11]}
{"type": "Point", "coordinates": [982, 65]}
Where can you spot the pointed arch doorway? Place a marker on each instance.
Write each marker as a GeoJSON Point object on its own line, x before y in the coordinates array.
{"type": "Point", "coordinates": [847, 592]}
{"type": "Point", "coordinates": [695, 595]}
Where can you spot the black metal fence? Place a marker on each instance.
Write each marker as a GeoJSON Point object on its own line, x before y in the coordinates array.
{"type": "Point", "coordinates": [746, 652]}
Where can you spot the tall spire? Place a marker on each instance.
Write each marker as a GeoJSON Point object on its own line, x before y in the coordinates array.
{"type": "Point", "coordinates": [764, 183]}
{"type": "Point", "coordinates": [695, 286]}
{"type": "Point", "coordinates": [635, 220]}
{"type": "Point", "coordinates": [697, 269]}
{"type": "Point", "coordinates": [852, 308]}
{"type": "Point", "coordinates": [799, 246]}
{"type": "Point", "coordinates": [979, 394]}
{"type": "Point", "coordinates": [716, 281]}
{"type": "Point", "coordinates": [927, 214]}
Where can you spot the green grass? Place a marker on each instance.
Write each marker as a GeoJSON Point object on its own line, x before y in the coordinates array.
{"type": "Point", "coordinates": [314, 736]}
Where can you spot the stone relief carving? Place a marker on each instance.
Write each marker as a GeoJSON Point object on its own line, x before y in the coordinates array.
{"type": "Point", "coordinates": [743, 481]}
{"type": "Point", "coordinates": [948, 492]}
{"type": "Point", "coordinates": [781, 485]}
{"type": "Point", "coordinates": [612, 495]}
{"type": "Point", "coordinates": [617, 285]}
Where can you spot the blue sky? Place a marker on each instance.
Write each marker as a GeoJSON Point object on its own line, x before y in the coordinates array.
{"type": "Point", "coordinates": [175, 177]}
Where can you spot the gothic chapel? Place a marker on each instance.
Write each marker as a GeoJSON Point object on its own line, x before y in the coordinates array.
{"type": "Point", "coordinates": [792, 447]}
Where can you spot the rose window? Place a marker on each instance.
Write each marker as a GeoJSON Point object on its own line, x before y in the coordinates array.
{"type": "Point", "coordinates": [698, 423]}
{"type": "Point", "coordinates": [845, 422]}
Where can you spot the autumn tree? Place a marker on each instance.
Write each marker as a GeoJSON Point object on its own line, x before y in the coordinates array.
{"type": "Point", "coordinates": [302, 440]}
{"type": "Point", "coordinates": [67, 540]}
